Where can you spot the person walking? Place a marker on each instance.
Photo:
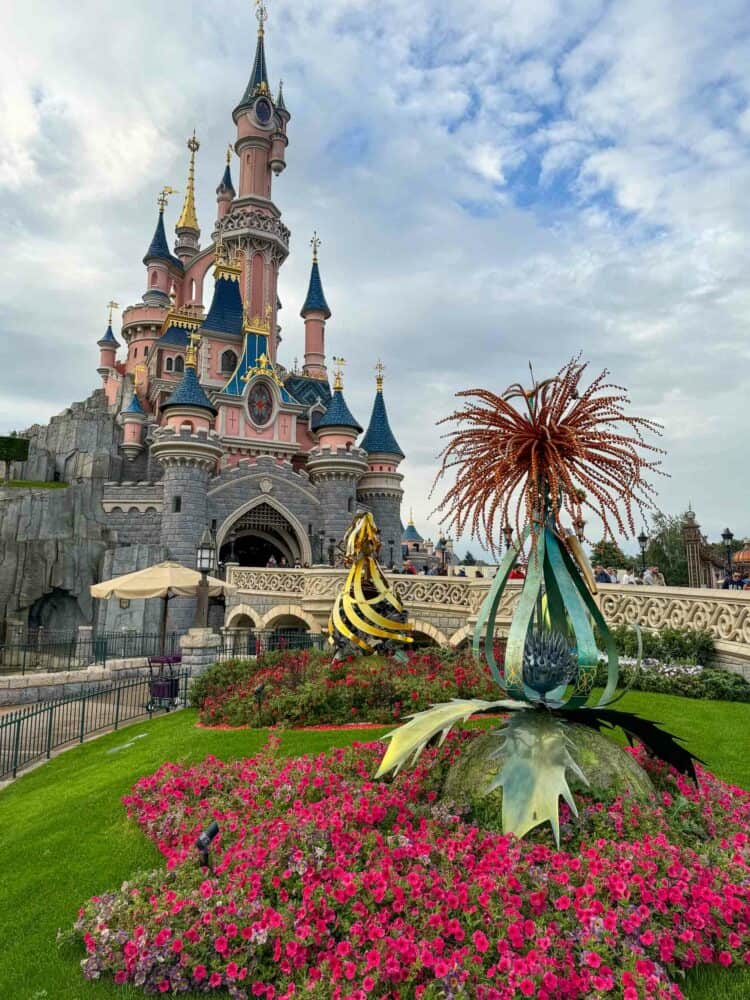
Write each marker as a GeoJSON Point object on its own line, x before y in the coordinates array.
{"type": "Point", "coordinates": [601, 575]}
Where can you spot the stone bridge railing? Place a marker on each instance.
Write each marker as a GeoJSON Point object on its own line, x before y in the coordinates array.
{"type": "Point", "coordinates": [446, 608]}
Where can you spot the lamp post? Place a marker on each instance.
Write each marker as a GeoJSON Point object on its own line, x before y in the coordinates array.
{"type": "Point", "coordinates": [441, 547]}
{"type": "Point", "coordinates": [727, 537]}
{"type": "Point", "coordinates": [391, 545]}
{"type": "Point", "coordinates": [205, 562]}
{"type": "Point", "coordinates": [643, 542]}
{"type": "Point", "coordinates": [331, 551]}
{"type": "Point", "coordinates": [508, 536]}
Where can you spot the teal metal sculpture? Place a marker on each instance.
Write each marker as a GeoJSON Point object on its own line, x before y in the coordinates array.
{"type": "Point", "coordinates": [563, 450]}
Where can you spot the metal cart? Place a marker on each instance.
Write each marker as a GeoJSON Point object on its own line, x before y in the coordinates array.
{"type": "Point", "coordinates": [163, 683]}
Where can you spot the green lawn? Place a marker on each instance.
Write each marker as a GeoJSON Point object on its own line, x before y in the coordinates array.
{"type": "Point", "coordinates": [65, 835]}
{"type": "Point", "coordinates": [25, 483]}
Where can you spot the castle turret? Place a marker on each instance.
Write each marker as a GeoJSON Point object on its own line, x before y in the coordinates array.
{"type": "Point", "coordinates": [132, 420]}
{"type": "Point", "coordinates": [252, 223]}
{"type": "Point", "coordinates": [225, 191]}
{"type": "Point", "coordinates": [187, 228]}
{"type": "Point", "coordinates": [279, 142]}
{"type": "Point", "coordinates": [315, 312]}
{"type": "Point", "coordinates": [336, 465]}
{"type": "Point", "coordinates": [380, 488]}
{"type": "Point", "coordinates": [107, 345]}
{"type": "Point", "coordinates": [164, 270]}
{"type": "Point", "coordinates": [189, 451]}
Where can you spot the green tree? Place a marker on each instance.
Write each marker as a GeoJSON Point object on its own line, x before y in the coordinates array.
{"type": "Point", "coordinates": [666, 549]}
{"type": "Point", "coordinates": [607, 553]}
{"type": "Point", "coordinates": [12, 449]}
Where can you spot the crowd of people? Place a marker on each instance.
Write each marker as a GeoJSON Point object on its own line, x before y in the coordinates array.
{"type": "Point", "coordinates": [735, 581]}
{"type": "Point", "coordinates": [650, 577]}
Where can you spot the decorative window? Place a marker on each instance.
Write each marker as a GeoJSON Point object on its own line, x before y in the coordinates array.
{"type": "Point", "coordinates": [176, 505]}
{"type": "Point", "coordinates": [169, 364]}
{"type": "Point", "coordinates": [260, 404]}
{"type": "Point", "coordinates": [179, 364]}
{"type": "Point", "coordinates": [228, 362]}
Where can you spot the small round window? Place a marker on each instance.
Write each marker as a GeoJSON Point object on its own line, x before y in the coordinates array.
{"type": "Point", "coordinates": [260, 404]}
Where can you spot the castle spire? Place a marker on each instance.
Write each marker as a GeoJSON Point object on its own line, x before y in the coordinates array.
{"type": "Point", "coordinates": [338, 417]}
{"type": "Point", "coordinates": [159, 248]}
{"type": "Point", "coordinates": [316, 300]}
{"type": "Point", "coordinates": [225, 192]}
{"type": "Point", "coordinates": [188, 218]}
{"type": "Point", "coordinates": [280, 105]}
{"type": "Point", "coordinates": [379, 438]}
{"type": "Point", "coordinates": [258, 82]}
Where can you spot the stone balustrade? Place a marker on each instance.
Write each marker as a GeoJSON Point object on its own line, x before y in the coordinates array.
{"type": "Point", "coordinates": [446, 608]}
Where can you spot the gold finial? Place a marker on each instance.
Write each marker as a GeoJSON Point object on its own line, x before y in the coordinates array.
{"type": "Point", "coordinates": [229, 154]}
{"type": "Point", "coordinates": [191, 355]}
{"type": "Point", "coordinates": [411, 516]}
{"type": "Point", "coordinates": [261, 12]}
{"type": "Point", "coordinates": [111, 305]}
{"type": "Point", "coordinates": [315, 244]}
{"type": "Point", "coordinates": [188, 218]}
{"type": "Point", "coordinates": [163, 198]}
{"type": "Point", "coordinates": [379, 369]}
{"type": "Point", "coordinates": [338, 383]}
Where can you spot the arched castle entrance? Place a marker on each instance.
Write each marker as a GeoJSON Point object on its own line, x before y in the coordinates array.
{"type": "Point", "coordinates": [260, 529]}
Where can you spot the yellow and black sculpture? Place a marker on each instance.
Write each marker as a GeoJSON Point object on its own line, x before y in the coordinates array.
{"type": "Point", "coordinates": [368, 616]}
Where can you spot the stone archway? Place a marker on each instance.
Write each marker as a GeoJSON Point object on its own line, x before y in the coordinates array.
{"type": "Point", "coordinates": [290, 617]}
{"type": "Point", "coordinates": [262, 528]}
{"type": "Point", "coordinates": [57, 611]}
{"type": "Point", "coordinates": [426, 631]}
{"type": "Point", "coordinates": [243, 616]}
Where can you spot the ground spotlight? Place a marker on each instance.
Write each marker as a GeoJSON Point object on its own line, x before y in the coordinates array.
{"type": "Point", "coordinates": [203, 843]}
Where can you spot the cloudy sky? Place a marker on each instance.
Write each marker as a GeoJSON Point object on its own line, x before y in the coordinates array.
{"type": "Point", "coordinates": [494, 183]}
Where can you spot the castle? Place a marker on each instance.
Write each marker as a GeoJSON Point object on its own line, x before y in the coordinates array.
{"type": "Point", "coordinates": [198, 423]}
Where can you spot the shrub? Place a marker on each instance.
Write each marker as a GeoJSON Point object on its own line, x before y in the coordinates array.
{"type": "Point", "coordinates": [306, 688]}
{"type": "Point", "coordinates": [670, 645]}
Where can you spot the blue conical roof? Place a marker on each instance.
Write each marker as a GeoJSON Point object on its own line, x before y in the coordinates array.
{"type": "Point", "coordinates": [134, 406]}
{"type": "Point", "coordinates": [338, 414]}
{"type": "Point", "coordinates": [226, 181]}
{"type": "Point", "coordinates": [189, 393]}
{"type": "Point", "coordinates": [108, 339]}
{"type": "Point", "coordinates": [259, 74]}
{"type": "Point", "coordinates": [159, 248]}
{"type": "Point", "coordinates": [379, 436]}
{"type": "Point", "coordinates": [316, 300]}
{"type": "Point", "coordinates": [225, 314]}
{"type": "Point", "coordinates": [411, 534]}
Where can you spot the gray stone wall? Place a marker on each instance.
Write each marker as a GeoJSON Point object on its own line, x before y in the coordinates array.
{"type": "Point", "coordinates": [140, 616]}
{"type": "Point", "coordinates": [181, 530]}
{"type": "Point", "coordinates": [338, 503]}
{"type": "Point", "coordinates": [134, 527]}
{"type": "Point", "coordinates": [387, 513]}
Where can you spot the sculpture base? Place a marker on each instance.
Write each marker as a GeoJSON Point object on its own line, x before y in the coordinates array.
{"type": "Point", "coordinates": [610, 770]}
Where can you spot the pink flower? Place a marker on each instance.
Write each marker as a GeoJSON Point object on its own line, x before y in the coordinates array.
{"type": "Point", "coordinates": [481, 941]}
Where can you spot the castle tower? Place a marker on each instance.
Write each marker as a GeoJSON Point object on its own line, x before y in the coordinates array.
{"type": "Point", "coordinates": [693, 539]}
{"type": "Point", "coordinates": [163, 269]}
{"type": "Point", "coordinates": [336, 465]}
{"type": "Point", "coordinates": [225, 192]}
{"type": "Point", "coordinates": [315, 312]}
{"type": "Point", "coordinates": [380, 488]}
{"type": "Point", "coordinates": [189, 450]}
{"type": "Point", "coordinates": [132, 420]}
{"type": "Point", "coordinates": [187, 228]}
{"type": "Point", "coordinates": [107, 345]}
{"type": "Point", "coordinates": [252, 224]}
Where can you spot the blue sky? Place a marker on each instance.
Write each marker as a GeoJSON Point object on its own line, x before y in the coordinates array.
{"type": "Point", "coordinates": [511, 182]}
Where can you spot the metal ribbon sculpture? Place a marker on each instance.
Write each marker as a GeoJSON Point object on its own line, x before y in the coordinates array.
{"type": "Point", "coordinates": [367, 613]}
{"type": "Point", "coordinates": [564, 451]}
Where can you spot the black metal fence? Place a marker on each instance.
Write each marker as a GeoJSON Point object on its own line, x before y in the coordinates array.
{"type": "Point", "coordinates": [31, 734]}
{"type": "Point", "coordinates": [240, 643]}
{"type": "Point", "coordinates": [72, 651]}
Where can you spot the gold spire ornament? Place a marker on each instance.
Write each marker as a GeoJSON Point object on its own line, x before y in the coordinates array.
{"type": "Point", "coordinates": [379, 369]}
{"type": "Point", "coordinates": [315, 244]}
{"type": "Point", "coordinates": [367, 616]}
{"type": "Point", "coordinates": [261, 12]}
{"type": "Point", "coordinates": [164, 194]}
{"type": "Point", "coordinates": [111, 305]}
{"type": "Point", "coordinates": [191, 354]}
{"type": "Point", "coordinates": [338, 382]}
{"type": "Point", "coordinates": [188, 218]}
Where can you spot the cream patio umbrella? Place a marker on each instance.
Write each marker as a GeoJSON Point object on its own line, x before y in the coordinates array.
{"type": "Point", "coordinates": [165, 580]}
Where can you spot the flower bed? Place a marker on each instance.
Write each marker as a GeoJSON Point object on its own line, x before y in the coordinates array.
{"type": "Point", "coordinates": [306, 688]}
{"type": "Point", "coordinates": [327, 884]}
{"type": "Point", "coordinates": [686, 680]}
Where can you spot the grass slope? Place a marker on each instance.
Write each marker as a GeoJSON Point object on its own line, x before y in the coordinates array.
{"type": "Point", "coordinates": [66, 836]}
